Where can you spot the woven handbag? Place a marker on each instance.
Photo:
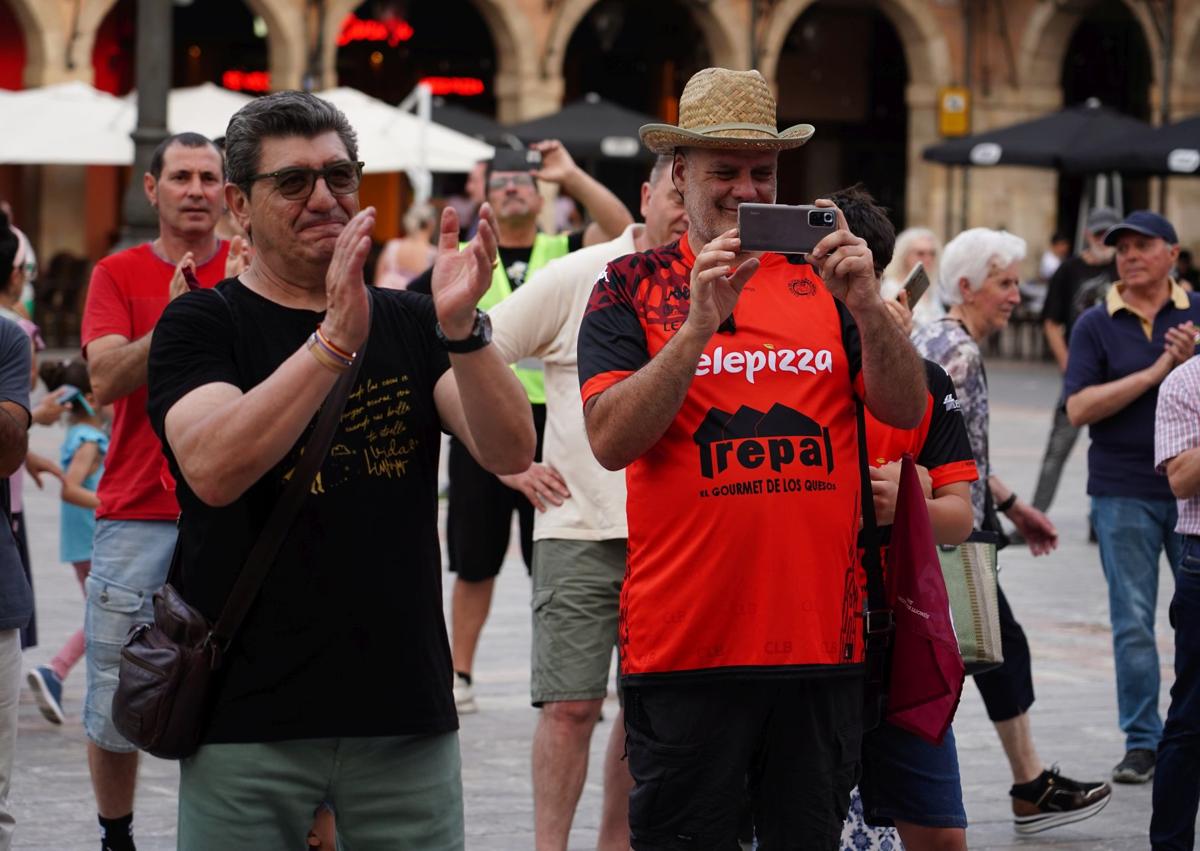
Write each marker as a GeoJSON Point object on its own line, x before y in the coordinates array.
{"type": "Point", "coordinates": [969, 570]}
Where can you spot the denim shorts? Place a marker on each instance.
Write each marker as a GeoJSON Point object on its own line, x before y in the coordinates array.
{"type": "Point", "coordinates": [906, 778]}
{"type": "Point", "coordinates": [130, 559]}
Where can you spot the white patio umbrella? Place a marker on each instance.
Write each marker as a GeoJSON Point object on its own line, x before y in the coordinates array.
{"type": "Point", "coordinates": [66, 124]}
{"type": "Point", "coordinates": [391, 139]}
{"type": "Point", "coordinates": [204, 109]}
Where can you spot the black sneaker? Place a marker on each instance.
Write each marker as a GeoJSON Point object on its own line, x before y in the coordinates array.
{"type": "Point", "coordinates": [1136, 767]}
{"type": "Point", "coordinates": [1053, 800]}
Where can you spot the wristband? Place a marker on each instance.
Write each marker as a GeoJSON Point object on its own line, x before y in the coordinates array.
{"type": "Point", "coordinates": [323, 357]}
{"type": "Point", "coordinates": [333, 348]}
{"type": "Point", "coordinates": [1004, 507]}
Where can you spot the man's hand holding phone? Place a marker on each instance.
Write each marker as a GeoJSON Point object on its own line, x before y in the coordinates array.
{"type": "Point", "coordinates": [845, 263]}
{"type": "Point", "coordinates": [720, 272]}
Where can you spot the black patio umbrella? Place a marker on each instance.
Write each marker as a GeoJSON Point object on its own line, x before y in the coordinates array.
{"type": "Point", "coordinates": [591, 129]}
{"type": "Point", "coordinates": [470, 122]}
{"type": "Point", "coordinates": [1170, 150]}
{"type": "Point", "coordinates": [1046, 142]}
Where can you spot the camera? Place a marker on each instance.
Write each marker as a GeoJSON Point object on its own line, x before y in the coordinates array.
{"type": "Point", "coordinates": [821, 218]}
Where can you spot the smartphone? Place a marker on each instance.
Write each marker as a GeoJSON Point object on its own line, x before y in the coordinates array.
{"type": "Point", "coordinates": [916, 284]}
{"type": "Point", "coordinates": [784, 229]}
{"type": "Point", "coordinates": [189, 277]}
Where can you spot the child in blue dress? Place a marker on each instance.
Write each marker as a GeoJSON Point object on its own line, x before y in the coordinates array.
{"type": "Point", "coordinates": [82, 463]}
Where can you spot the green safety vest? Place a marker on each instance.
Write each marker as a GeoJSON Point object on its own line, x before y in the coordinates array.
{"type": "Point", "coordinates": [545, 249]}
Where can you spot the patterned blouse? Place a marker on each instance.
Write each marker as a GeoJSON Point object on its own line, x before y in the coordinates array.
{"type": "Point", "coordinates": [947, 342]}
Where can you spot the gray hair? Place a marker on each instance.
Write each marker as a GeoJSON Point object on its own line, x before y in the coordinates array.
{"type": "Point", "coordinates": [278, 115]}
{"type": "Point", "coordinates": [974, 254]}
{"type": "Point", "coordinates": [905, 240]}
{"type": "Point", "coordinates": [419, 215]}
{"type": "Point", "coordinates": [662, 165]}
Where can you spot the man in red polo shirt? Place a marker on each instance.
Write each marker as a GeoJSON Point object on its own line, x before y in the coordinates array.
{"type": "Point", "coordinates": [135, 524]}
{"type": "Point", "coordinates": [726, 384]}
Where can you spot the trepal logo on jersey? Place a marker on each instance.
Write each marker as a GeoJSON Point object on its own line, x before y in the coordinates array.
{"type": "Point", "coordinates": [750, 363]}
{"type": "Point", "coordinates": [781, 441]}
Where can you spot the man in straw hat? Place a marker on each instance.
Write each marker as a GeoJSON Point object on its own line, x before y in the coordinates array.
{"type": "Point", "coordinates": [725, 381]}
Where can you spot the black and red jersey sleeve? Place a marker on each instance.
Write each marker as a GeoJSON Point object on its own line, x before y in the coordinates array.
{"type": "Point", "coordinates": [612, 341]}
{"type": "Point", "coordinates": [946, 452]}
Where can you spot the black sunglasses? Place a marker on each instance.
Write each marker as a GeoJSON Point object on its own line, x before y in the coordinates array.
{"type": "Point", "coordinates": [296, 183]}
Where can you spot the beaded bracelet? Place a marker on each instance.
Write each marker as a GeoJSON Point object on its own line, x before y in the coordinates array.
{"type": "Point", "coordinates": [324, 358]}
{"type": "Point", "coordinates": [334, 348]}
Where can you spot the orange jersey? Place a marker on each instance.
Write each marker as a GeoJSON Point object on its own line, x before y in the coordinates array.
{"type": "Point", "coordinates": [939, 444]}
{"type": "Point", "coordinates": [743, 517]}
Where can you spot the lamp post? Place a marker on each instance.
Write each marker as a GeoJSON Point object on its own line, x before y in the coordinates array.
{"type": "Point", "coordinates": [153, 76]}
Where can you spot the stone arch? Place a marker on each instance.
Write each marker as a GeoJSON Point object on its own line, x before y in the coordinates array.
{"type": "Point", "coordinates": [721, 27]}
{"type": "Point", "coordinates": [45, 29]}
{"type": "Point", "coordinates": [1185, 69]}
{"type": "Point", "coordinates": [1047, 36]}
{"type": "Point", "coordinates": [504, 21]}
{"type": "Point", "coordinates": [925, 46]}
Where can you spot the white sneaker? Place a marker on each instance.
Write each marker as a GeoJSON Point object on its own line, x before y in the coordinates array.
{"type": "Point", "coordinates": [464, 696]}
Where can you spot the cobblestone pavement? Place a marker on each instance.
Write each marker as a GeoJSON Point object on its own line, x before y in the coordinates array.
{"type": "Point", "coordinates": [1060, 600]}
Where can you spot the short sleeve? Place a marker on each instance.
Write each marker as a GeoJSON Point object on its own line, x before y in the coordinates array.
{"type": "Point", "coordinates": [421, 308]}
{"type": "Point", "coordinates": [1177, 420]}
{"type": "Point", "coordinates": [1087, 362]}
{"type": "Point", "coordinates": [192, 346]}
{"type": "Point", "coordinates": [16, 357]}
{"type": "Point", "coordinates": [107, 310]}
{"type": "Point", "coordinates": [1057, 307]}
{"type": "Point", "coordinates": [612, 341]}
{"type": "Point", "coordinates": [526, 324]}
{"type": "Point", "coordinates": [946, 452]}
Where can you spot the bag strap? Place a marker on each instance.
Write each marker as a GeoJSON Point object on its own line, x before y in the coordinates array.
{"type": "Point", "coordinates": [276, 529]}
{"type": "Point", "coordinates": [878, 621]}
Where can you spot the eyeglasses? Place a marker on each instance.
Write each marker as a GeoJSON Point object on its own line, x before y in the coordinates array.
{"type": "Point", "coordinates": [519, 180]}
{"type": "Point", "coordinates": [296, 183]}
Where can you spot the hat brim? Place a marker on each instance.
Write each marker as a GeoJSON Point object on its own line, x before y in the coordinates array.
{"type": "Point", "coordinates": [1114, 233]}
{"type": "Point", "coordinates": [665, 138]}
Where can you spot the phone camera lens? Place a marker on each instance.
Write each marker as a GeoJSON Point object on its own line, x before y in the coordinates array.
{"type": "Point", "coordinates": [829, 219]}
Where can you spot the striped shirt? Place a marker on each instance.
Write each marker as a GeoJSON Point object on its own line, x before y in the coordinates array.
{"type": "Point", "coordinates": [1177, 429]}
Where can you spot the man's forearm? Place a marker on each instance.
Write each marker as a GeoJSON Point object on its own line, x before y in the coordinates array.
{"type": "Point", "coordinates": [1101, 401]}
{"type": "Point", "coordinates": [628, 418]}
{"type": "Point", "coordinates": [1183, 473]}
{"type": "Point", "coordinates": [14, 442]}
{"type": "Point", "coordinates": [1056, 338]}
{"type": "Point", "coordinates": [893, 377]}
{"type": "Point", "coordinates": [226, 443]}
{"type": "Point", "coordinates": [496, 408]}
{"type": "Point", "coordinates": [118, 372]}
{"type": "Point", "coordinates": [604, 208]}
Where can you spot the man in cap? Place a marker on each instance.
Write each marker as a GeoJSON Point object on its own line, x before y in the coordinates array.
{"type": "Point", "coordinates": [580, 535]}
{"type": "Point", "coordinates": [479, 515]}
{"type": "Point", "coordinates": [726, 382]}
{"type": "Point", "coordinates": [1120, 353]}
{"type": "Point", "coordinates": [1078, 283]}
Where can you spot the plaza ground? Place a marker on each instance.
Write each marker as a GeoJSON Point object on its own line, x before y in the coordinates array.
{"type": "Point", "coordinates": [1060, 600]}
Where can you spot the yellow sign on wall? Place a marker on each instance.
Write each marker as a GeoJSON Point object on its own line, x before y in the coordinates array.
{"type": "Point", "coordinates": [954, 111]}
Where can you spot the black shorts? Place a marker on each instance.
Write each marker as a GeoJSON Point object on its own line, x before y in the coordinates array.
{"type": "Point", "coordinates": [479, 514]}
{"type": "Point", "coordinates": [699, 752]}
{"type": "Point", "coordinates": [1007, 691]}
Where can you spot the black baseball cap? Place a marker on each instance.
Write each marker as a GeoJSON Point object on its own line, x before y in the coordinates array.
{"type": "Point", "coordinates": [1146, 223]}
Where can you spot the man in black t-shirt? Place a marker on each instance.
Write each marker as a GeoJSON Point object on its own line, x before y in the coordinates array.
{"type": "Point", "coordinates": [1079, 282]}
{"type": "Point", "coordinates": [337, 688]}
{"type": "Point", "coordinates": [479, 516]}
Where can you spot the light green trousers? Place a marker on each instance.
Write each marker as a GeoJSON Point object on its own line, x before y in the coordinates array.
{"type": "Point", "coordinates": [391, 793]}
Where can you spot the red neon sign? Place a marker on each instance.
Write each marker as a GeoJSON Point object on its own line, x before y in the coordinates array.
{"type": "Point", "coordinates": [391, 30]}
{"type": "Point", "coordinates": [246, 81]}
{"type": "Point", "coordinates": [467, 86]}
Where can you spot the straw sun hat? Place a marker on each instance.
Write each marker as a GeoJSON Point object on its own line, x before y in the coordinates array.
{"type": "Point", "coordinates": [720, 108]}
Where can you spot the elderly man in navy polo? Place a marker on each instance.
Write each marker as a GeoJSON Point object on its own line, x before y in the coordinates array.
{"type": "Point", "coordinates": [1120, 353]}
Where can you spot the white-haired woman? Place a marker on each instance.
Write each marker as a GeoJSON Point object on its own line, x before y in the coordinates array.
{"type": "Point", "coordinates": [914, 245]}
{"type": "Point", "coordinates": [978, 280]}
